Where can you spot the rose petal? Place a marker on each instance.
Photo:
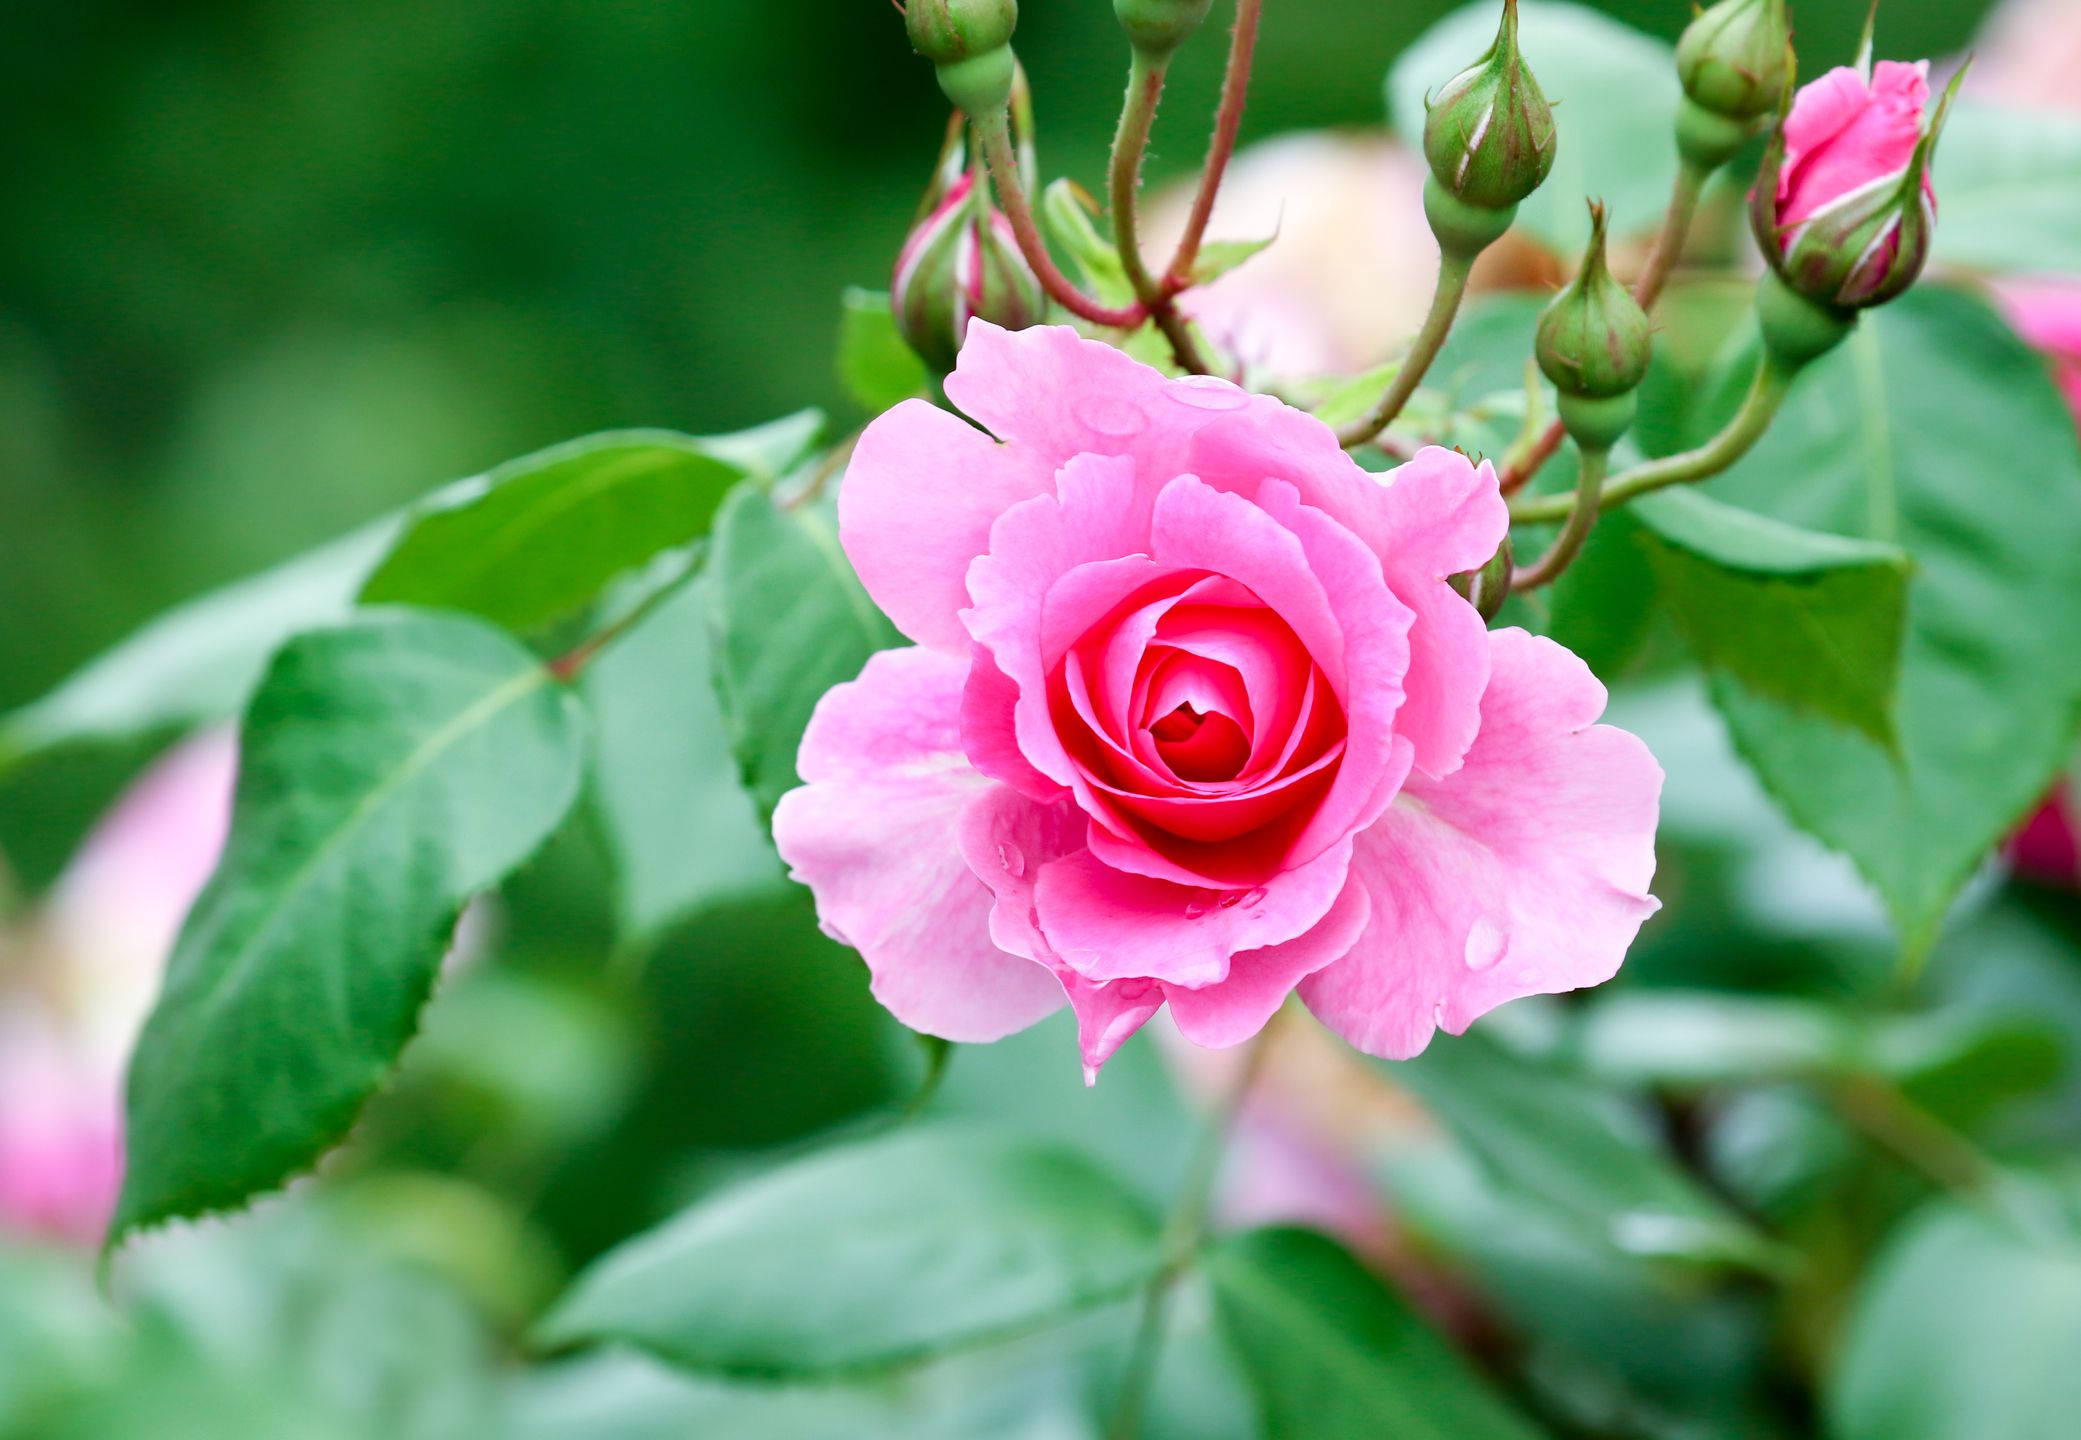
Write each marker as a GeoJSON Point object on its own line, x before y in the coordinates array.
{"type": "Point", "coordinates": [1524, 872]}
{"type": "Point", "coordinates": [1259, 981]}
{"type": "Point", "coordinates": [874, 835]}
{"type": "Point", "coordinates": [915, 507]}
{"type": "Point", "coordinates": [1842, 136]}
{"type": "Point", "coordinates": [1107, 924]}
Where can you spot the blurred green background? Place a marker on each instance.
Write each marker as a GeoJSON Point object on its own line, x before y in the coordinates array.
{"type": "Point", "coordinates": [268, 267]}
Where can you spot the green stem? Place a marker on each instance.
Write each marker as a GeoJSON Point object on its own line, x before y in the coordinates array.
{"type": "Point", "coordinates": [995, 135]}
{"type": "Point", "coordinates": [1717, 454]}
{"type": "Point", "coordinates": [1453, 271]}
{"type": "Point", "coordinates": [1582, 515]}
{"type": "Point", "coordinates": [1130, 143]}
{"type": "Point", "coordinates": [1181, 1240]}
{"type": "Point", "coordinates": [1676, 229]}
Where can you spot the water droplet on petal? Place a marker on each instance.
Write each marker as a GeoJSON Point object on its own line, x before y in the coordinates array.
{"type": "Point", "coordinates": [1196, 907]}
{"type": "Point", "coordinates": [1207, 392]}
{"type": "Point", "coordinates": [1011, 859]}
{"type": "Point", "coordinates": [1485, 944]}
{"type": "Point", "coordinates": [1113, 416]}
{"type": "Point", "coordinates": [1252, 896]}
{"type": "Point", "coordinates": [1232, 899]}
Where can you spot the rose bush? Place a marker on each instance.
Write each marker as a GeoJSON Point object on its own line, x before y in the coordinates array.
{"type": "Point", "coordinates": [1194, 718]}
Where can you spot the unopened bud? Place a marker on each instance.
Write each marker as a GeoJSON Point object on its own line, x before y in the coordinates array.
{"type": "Point", "coordinates": [969, 43]}
{"type": "Point", "coordinates": [1593, 343]}
{"type": "Point", "coordinates": [960, 263]}
{"type": "Point", "coordinates": [1489, 136]}
{"type": "Point", "coordinates": [1850, 224]}
{"type": "Point", "coordinates": [1735, 58]}
{"type": "Point", "coordinates": [1158, 27]}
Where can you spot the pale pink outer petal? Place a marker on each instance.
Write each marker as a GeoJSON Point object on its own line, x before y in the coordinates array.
{"type": "Point", "coordinates": [1525, 872]}
{"type": "Point", "coordinates": [1051, 395]}
{"type": "Point", "coordinates": [916, 504]}
{"type": "Point", "coordinates": [1107, 924]}
{"type": "Point", "coordinates": [1234, 1009]}
{"type": "Point", "coordinates": [874, 834]}
{"type": "Point", "coordinates": [1841, 135]}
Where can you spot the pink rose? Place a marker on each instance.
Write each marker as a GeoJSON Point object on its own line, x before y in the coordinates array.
{"type": "Point", "coordinates": [2047, 846]}
{"type": "Point", "coordinates": [1845, 135]}
{"type": "Point", "coordinates": [2047, 314]}
{"type": "Point", "coordinates": [1194, 718]}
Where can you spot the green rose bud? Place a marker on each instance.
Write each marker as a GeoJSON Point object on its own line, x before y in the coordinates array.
{"type": "Point", "coordinates": [1489, 137]}
{"type": "Point", "coordinates": [1735, 58]}
{"type": "Point", "coordinates": [1158, 27]}
{"type": "Point", "coordinates": [1594, 339]}
{"type": "Point", "coordinates": [969, 42]}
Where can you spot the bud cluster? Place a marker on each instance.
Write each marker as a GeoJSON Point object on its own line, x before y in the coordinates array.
{"type": "Point", "coordinates": [969, 43]}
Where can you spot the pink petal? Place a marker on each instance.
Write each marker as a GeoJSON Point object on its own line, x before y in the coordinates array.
{"type": "Point", "coordinates": [1842, 136]}
{"type": "Point", "coordinates": [989, 728]}
{"type": "Point", "coordinates": [1107, 924]}
{"type": "Point", "coordinates": [1524, 872]}
{"type": "Point", "coordinates": [1008, 840]}
{"type": "Point", "coordinates": [916, 504]}
{"type": "Point", "coordinates": [1233, 1010]}
{"type": "Point", "coordinates": [1053, 395]}
{"type": "Point", "coordinates": [875, 835]}
{"type": "Point", "coordinates": [1435, 516]}
{"type": "Point", "coordinates": [1034, 544]}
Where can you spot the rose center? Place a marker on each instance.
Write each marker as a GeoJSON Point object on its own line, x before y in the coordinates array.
{"type": "Point", "coordinates": [1200, 748]}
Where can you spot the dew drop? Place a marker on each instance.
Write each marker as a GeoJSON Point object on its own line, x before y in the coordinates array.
{"type": "Point", "coordinates": [1485, 944]}
{"type": "Point", "coordinates": [1009, 856]}
{"type": "Point", "coordinates": [1252, 896]}
{"type": "Point", "coordinates": [1207, 392]}
{"type": "Point", "coordinates": [1110, 415]}
{"type": "Point", "coordinates": [1196, 907]}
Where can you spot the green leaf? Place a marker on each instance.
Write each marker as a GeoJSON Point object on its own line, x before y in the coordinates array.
{"type": "Point", "coordinates": [869, 1257]}
{"type": "Point", "coordinates": [2010, 179]}
{"type": "Point", "coordinates": [391, 768]}
{"type": "Point", "coordinates": [1614, 94]}
{"type": "Point", "coordinates": [1966, 1330]}
{"type": "Point", "coordinates": [540, 537]}
{"type": "Point", "coordinates": [197, 663]}
{"type": "Point", "coordinates": [1807, 618]}
{"type": "Point", "coordinates": [1584, 1156]}
{"type": "Point", "coordinates": [1332, 1355]}
{"type": "Point", "coordinates": [879, 369]}
{"type": "Point", "coordinates": [680, 828]}
{"type": "Point", "coordinates": [1934, 429]}
{"type": "Point", "coordinates": [790, 620]}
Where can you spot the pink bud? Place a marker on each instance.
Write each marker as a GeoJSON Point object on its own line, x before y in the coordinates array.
{"type": "Point", "coordinates": [961, 262]}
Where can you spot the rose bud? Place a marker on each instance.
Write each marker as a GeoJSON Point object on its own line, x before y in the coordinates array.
{"type": "Point", "coordinates": [970, 44]}
{"type": "Point", "coordinates": [1490, 135]}
{"type": "Point", "coordinates": [962, 261]}
{"type": "Point", "coordinates": [1593, 343]}
{"type": "Point", "coordinates": [1735, 58]}
{"type": "Point", "coordinates": [1844, 208]}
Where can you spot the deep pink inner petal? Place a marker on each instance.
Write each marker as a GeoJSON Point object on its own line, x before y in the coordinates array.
{"type": "Point", "coordinates": [1201, 747]}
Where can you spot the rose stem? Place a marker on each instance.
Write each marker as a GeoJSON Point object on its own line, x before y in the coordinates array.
{"type": "Point", "coordinates": [995, 135]}
{"type": "Point", "coordinates": [1181, 1238]}
{"type": "Point", "coordinates": [1445, 305]}
{"type": "Point", "coordinates": [1130, 144]}
{"type": "Point", "coordinates": [1581, 516]}
{"type": "Point", "coordinates": [1742, 432]}
{"type": "Point", "coordinates": [1228, 122]}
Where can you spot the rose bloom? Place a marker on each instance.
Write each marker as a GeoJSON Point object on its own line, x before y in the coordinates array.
{"type": "Point", "coordinates": [1194, 718]}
